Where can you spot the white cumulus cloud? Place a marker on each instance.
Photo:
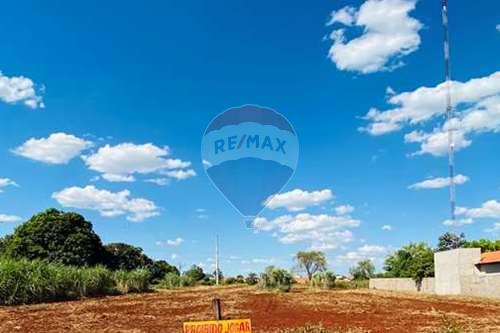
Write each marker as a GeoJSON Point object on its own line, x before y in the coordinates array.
{"type": "Point", "coordinates": [158, 181]}
{"type": "Point", "coordinates": [477, 110]}
{"type": "Point", "coordinates": [371, 252]}
{"type": "Point", "coordinates": [57, 148]}
{"type": "Point", "coordinates": [297, 200]}
{"type": "Point", "coordinates": [458, 222]}
{"type": "Point", "coordinates": [438, 182]}
{"type": "Point", "coordinates": [180, 174]}
{"type": "Point", "coordinates": [344, 209]}
{"type": "Point", "coordinates": [121, 162]}
{"type": "Point", "coordinates": [107, 203]}
{"type": "Point", "coordinates": [4, 182]}
{"type": "Point", "coordinates": [19, 89]}
{"type": "Point", "coordinates": [4, 218]}
{"type": "Point", "coordinates": [171, 242]}
{"type": "Point", "coordinates": [322, 232]}
{"type": "Point", "coordinates": [388, 34]}
{"type": "Point", "coordinates": [489, 209]}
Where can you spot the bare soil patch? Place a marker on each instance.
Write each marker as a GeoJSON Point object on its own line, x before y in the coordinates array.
{"type": "Point", "coordinates": [164, 311]}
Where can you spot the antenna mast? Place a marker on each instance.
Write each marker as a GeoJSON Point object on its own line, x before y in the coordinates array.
{"type": "Point", "coordinates": [217, 260]}
{"type": "Point", "coordinates": [449, 109]}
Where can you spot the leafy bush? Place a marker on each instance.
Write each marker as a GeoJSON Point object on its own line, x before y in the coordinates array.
{"type": "Point", "coordinates": [486, 245]}
{"type": "Point", "coordinates": [354, 284]}
{"type": "Point", "coordinates": [94, 281]}
{"type": "Point", "coordinates": [159, 269]}
{"type": "Point", "coordinates": [24, 282]}
{"type": "Point", "coordinates": [252, 279]}
{"type": "Point", "coordinates": [174, 281]}
{"type": "Point", "coordinates": [239, 279]}
{"type": "Point", "coordinates": [276, 279]}
{"type": "Point", "coordinates": [135, 281]}
{"type": "Point", "coordinates": [323, 280]}
{"type": "Point", "coordinates": [195, 273]}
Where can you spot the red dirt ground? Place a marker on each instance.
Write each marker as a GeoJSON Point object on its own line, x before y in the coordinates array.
{"type": "Point", "coordinates": [164, 311]}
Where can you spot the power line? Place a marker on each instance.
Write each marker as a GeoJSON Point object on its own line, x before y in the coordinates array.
{"type": "Point", "coordinates": [449, 110]}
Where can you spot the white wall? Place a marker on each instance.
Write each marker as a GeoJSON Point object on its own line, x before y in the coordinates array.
{"type": "Point", "coordinates": [403, 284]}
{"type": "Point", "coordinates": [451, 266]}
{"type": "Point", "coordinates": [456, 273]}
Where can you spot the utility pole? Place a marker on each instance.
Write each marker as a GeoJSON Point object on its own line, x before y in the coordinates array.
{"type": "Point", "coordinates": [449, 109]}
{"type": "Point", "coordinates": [217, 260]}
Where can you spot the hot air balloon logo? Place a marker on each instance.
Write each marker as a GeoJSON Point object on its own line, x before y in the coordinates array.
{"type": "Point", "coordinates": [249, 153]}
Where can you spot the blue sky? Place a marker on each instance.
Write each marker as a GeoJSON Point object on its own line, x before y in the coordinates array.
{"type": "Point", "coordinates": [92, 94]}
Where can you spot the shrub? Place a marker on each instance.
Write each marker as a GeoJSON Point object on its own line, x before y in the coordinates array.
{"type": "Point", "coordinates": [159, 269]}
{"type": "Point", "coordinates": [323, 280]}
{"type": "Point", "coordinates": [230, 280]}
{"type": "Point", "coordinates": [354, 284]}
{"type": "Point", "coordinates": [135, 281]}
{"type": "Point", "coordinates": [252, 279]}
{"type": "Point", "coordinates": [174, 281]}
{"type": "Point", "coordinates": [95, 281]}
{"type": "Point", "coordinates": [276, 279]}
{"type": "Point", "coordinates": [195, 273]}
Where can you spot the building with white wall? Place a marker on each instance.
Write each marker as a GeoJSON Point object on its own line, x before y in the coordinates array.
{"type": "Point", "coordinates": [457, 272]}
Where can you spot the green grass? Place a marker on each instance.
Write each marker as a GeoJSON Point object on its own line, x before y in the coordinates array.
{"type": "Point", "coordinates": [26, 282]}
{"type": "Point", "coordinates": [174, 281]}
{"type": "Point", "coordinates": [354, 284]}
{"type": "Point", "coordinates": [135, 281]}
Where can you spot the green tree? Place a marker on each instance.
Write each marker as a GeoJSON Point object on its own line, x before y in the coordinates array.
{"type": "Point", "coordinates": [363, 270]}
{"type": "Point", "coordinates": [126, 257]}
{"type": "Point", "coordinates": [3, 242]}
{"type": "Point", "coordinates": [252, 279]}
{"type": "Point", "coordinates": [311, 262]}
{"type": "Point", "coordinates": [195, 273]}
{"type": "Point", "coordinates": [277, 279]}
{"type": "Point", "coordinates": [56, 236]}
{"type": "Point", "coordinates": [450, 241]}
{"type": "Point", "coordinates": [159, 269]}
{"type": "Point", "coordinates": [486, 245]}
{"type": "Point", "coordinates": [415, 260]}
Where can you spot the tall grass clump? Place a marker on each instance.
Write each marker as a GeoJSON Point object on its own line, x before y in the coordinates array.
{"type": "Point", "coordinates": [323, 280]}
{"type": "Point", "coordinates": [174, 281]}
{"type": "Point", "coordinates": [135, 281]}
{"type": "Point", "coordinates": [276, 279]}
{"type": "Point", "coordinates": [24, 282]}
{"type": "Point", "coordinates": [353, 284]}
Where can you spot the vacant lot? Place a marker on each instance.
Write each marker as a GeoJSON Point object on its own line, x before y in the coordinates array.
{"type": "Point", "coordinates": [164, 311]}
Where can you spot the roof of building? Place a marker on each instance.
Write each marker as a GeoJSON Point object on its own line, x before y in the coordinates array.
{"type": "Point", "coordinates": [490, 257]}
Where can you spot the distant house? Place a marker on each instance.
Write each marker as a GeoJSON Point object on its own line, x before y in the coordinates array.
{"type": "Point", "coordinates": [301, 279]}
{"type": "Point", "coordinates": [490, 262]}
